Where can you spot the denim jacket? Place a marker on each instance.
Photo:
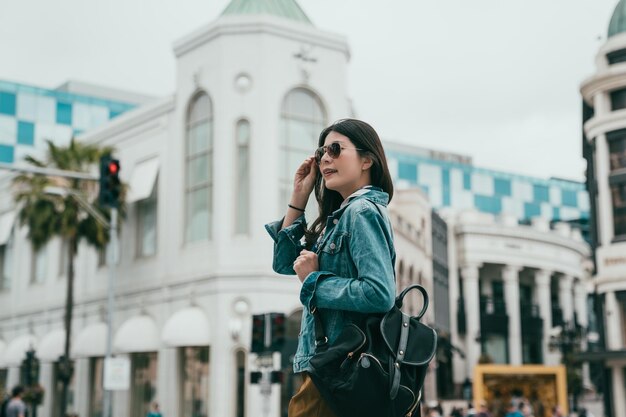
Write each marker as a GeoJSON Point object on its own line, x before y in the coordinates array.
{"type": "Point", "coordinates": [356, 260]}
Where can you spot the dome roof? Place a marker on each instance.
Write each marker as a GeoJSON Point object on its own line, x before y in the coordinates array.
{"type": "Point", "coordinates": [288, 9]}
{"type": "Point", "coordinates": [618, 21]}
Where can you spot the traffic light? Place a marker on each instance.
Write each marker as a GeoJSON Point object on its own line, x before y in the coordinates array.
{"type": "Point", "coordinates": [110, 185]}
{"type": "Point", "coordinates": [258, 333]}
{"type": "Point", "coordinates": [277, 331]}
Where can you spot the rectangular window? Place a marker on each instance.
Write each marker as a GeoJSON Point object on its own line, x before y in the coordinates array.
{"type": "Point", "coordinates": [618, 99]}
{"type": "Point", "coordinates": [194, 381]}
{"type": "Point", "coordinates": [39, 265]}
{"type": "Point", "coordinates": [6, 265]}
{"type": "Point", "coordinates": [7, 103]}
{"type": "Point", "coordinates": [144, 382]}
{"type": "Point", "coordinates": [618, 192]}
{"type": "Point", "coordinates": [617, 153]}
{"type": "Point", "coordinates": [199, 182]}
{"type": "Point", "coordinates": [64, 113]}
{"type": "Point", "coordinates": [147, 226]}
{"type": "Point", "coordinates": [242, 221]}
{"type": "Point", "coordinates": [240, 360]}
{"type": "Point", "coordinates": [25, 133]}
{"type": "Point", "coordinates": [7, 153]}
{"type": "Point", "coordinates": [96, 391]}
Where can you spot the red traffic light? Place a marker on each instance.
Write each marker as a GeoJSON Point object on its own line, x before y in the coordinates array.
{"type": "Point", "coordinates": [114, 167]}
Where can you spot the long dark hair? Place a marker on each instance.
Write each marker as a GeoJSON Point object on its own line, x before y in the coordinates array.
{"type": "Point", "coordinates": [362, 136]}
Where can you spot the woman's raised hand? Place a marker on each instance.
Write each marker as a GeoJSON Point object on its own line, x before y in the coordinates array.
{"type": "Point", "coordinates": [304, 180]}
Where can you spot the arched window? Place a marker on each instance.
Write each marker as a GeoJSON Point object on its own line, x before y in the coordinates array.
{"type": "Point", "coordinates": [302, 119]}
{"type": "Point", "coordinates": [242, 221]}
{"type": "Point", "coordinates": [199, 169]}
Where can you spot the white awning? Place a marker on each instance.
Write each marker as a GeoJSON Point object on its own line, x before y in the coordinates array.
{"type": "Point", "coordinates": [142, 180]}
{"type": "Point", "coordinates": [52, 346]}
{"type": "Point", "coordinates": [15, 352]}
{"type": "Point", "coordinates": [137, 334]}
{"type": "Point", "coordinates": [91, 341]}
{"type": "Point", "coordinates": [6, 224]}
{"type": "Point", "coordinates": [187, 327]}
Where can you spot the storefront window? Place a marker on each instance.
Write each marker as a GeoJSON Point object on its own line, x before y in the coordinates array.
{"type": "Point", "coordinates": [3, 383]}
{"type": "Point", "coordinates": [292, 382]}
{"type": "Point", "coordinates": [144, 383]}
{"type": "Point", "coordinates": [240, 358]}
{"type": "Point", "coordinates": [194, 377]}
{"type": "Point", "coordinates": [96, 392]}
{"type": "Point", "coordinates": [618, 192]}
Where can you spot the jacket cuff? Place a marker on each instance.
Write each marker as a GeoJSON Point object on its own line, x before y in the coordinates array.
{"type": "Point", "coordinates": [294, 231]}
{"type": "Point", "coordinates": [309, 286]}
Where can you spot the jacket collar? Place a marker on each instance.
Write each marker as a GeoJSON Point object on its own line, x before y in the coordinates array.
{"type": "Point", "coordinates": [369, 192]}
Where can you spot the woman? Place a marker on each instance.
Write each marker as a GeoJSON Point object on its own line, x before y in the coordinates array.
{"type": "Point", "coordinates": [346, 262]}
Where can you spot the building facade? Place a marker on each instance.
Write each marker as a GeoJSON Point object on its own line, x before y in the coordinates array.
{"type": "Point", "coordinates": [604, 148]}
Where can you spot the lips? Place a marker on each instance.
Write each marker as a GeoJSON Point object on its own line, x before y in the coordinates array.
{"type": "Point", "coordinates": [328, 172]}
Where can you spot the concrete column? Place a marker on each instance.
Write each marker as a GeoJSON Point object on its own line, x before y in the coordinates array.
{"type": "Point", "coordinates": [469, 275]}
{"type": "Point", "coordinates": [510, 276]}
{"type": "Point", "coordinates": [619, 391]}
{"type": "Point", "coordinates": [82, 386]}
{"type": "Point", "coordinates": [121, 399]}
{"type": "Point", "coordinates": [454, 292]}
{"type": "Point", "coordinates": [168, 382]}
{"type": "Point", "coordinates": [566, 298]}
{"type": "Point", "coordinates": [13, 377]}
{"type": "Point", "coordinates": [46, 379]}
{"type": "Point", "coordinates": [542, 285]}
{"type": "Point", "coordinates": [605, 211]}
{"type": "Point", "coordinates": [613, 323]}
{"type": "Point", "coordinates": [580, 302]}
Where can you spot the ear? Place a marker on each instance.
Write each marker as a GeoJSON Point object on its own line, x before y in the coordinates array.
{"type": "Point", "coordinates": [367, 163]}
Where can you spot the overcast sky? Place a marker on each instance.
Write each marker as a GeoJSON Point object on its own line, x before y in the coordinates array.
{"type": "Point", "coordinates": [494, 79]}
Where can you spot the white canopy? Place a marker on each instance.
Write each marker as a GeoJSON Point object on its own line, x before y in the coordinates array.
{"type": "Point", "coordinates": [52, 346]}
{"type": "Point", "coordinates": [187, 327]}
{"type": "Point", "coordinates": [91, 341]}
{"type": "Point", "coordinates": [142, 180]}
{"type": "Point", "coordinates": [6, 224]}
{"type": "Point", "coordinates": [137, 334]}
{"type": "Point", "coordinates": [15, 352]}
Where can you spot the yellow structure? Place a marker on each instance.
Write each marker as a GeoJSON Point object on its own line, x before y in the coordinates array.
{"type": "Point", "coordinates": [543, 386]}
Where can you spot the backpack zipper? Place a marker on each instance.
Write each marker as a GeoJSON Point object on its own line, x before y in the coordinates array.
{"type": "Point", "coordinates": [351, 354]}
{"type": "Point", "coordinates": [414, 405]}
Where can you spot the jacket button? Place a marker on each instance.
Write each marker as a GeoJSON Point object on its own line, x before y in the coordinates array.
{"type": "Point", "coordinates": [332, 246]}
{"type": "Point", "coordinates": [335, 221]}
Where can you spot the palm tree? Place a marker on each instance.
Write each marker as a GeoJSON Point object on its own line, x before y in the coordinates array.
{"type": "Point", "coordinates": [48, 215]}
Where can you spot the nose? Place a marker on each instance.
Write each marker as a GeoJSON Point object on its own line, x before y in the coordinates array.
{"type": "Point", "coordinates": [325, 158]}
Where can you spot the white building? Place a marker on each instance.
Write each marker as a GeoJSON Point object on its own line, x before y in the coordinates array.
{"type": "Point", "coordinates": [604, 144]}
{"type": "Point", "coordinates": [510, 286]}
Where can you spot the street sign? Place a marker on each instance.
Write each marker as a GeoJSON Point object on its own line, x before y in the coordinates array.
{"type": "Point", "coordinates": [116, 374]}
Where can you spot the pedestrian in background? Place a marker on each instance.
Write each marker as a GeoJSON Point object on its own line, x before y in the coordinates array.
{"type": "Point", "coordinates": [16, 407]}
{"type": "Point", "coordinates": [154, 411]}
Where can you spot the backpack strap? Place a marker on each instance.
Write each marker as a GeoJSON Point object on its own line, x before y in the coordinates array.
{"type": "Point", "coordinates": [404, 340]}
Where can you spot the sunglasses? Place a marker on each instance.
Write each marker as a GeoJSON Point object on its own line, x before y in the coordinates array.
{"type": "Point", "coordinates": [333, 150]}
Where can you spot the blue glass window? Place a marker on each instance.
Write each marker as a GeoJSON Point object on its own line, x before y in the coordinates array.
{"type": "Point", "coordinates": [467, 181]}
{"type": "Point", "coordinates": [569, 198]}
{"type": "Point", "coordinates": [25, 133]}
{"type": "Point", "coordinates": [556, 213]}
{"type": "Point", "coordinates": [541, 194]}
{"type": "Point", "coordinates": [502, 187]}
{"type": "Point", "coordinates": [113, 113]}
{"type": "Point", "coordinates": [6, 153]}
{"type": "Point", "coordinates": [445, 173]}
{"type": "Point", "coordinates": [531, 210]}
{"type": "Point", "coordinates": [488, 204]}
{"type": "Point", "coordinates": [7, 103]}
{"type": "Point", "coordinates": [407, 171]}
{"type": "Point", "coordinates": [64, 113]}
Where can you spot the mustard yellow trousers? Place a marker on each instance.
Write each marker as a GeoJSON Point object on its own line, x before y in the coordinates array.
{"type": "Point", "coordinates": [308, 402]}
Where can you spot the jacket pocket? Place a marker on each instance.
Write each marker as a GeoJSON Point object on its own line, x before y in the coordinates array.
{"type": "Point", "coordinates": [334, 244]}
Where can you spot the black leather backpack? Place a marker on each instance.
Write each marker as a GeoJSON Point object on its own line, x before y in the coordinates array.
{"type": "Point", "coordinates": [375, 368]}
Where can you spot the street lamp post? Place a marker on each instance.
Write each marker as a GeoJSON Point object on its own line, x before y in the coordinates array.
{"type": "Point", "coordinates": [568, 342]}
